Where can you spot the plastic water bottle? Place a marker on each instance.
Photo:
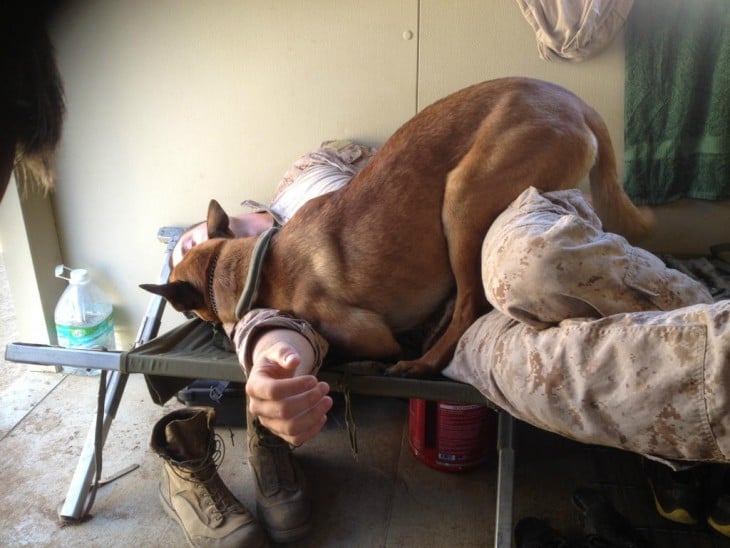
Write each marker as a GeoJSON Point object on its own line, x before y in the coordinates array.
{"type": "Point", "coordinates": [83, 314]}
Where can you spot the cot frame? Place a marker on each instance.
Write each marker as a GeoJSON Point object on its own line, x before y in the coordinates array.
{"type": "Point", "coordinates": [82, 488]}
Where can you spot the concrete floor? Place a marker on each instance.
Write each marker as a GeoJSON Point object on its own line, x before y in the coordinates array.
{"type": "Point", "coordinates": [385, 498]}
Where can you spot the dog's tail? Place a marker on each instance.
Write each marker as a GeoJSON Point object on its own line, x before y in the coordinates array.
{"type": "Point", "coordinates": [614, 207]}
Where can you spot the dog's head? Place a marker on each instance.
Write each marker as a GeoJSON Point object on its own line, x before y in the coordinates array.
{"type": "Point", "coordinates": [190, 284]}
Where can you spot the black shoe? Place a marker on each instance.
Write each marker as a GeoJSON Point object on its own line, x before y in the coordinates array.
{"type": "Point", "coordinates": [602, 525]}
{"type": "Point", "coordinates": [719, 518]}
{"type": "Point", "coordinates": [536, 533]}
{"type": "Point", "coordinates": [677, 495]}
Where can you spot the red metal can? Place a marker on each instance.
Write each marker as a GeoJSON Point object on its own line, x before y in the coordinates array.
{"type": "Point", "coordinates": [452, 437]}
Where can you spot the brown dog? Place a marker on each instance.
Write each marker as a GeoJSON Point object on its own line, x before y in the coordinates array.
{"type": "Point", "coordinates": [380, 255]}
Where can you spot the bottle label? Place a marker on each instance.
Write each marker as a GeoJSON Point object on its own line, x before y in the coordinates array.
{"type": "Point", "coordinates": [99, 335]}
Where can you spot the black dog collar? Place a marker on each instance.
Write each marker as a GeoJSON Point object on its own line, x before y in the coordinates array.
{"type": "Point", "coordinates": [254, 271]}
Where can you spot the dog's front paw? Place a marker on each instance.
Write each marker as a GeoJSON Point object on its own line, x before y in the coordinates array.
{"type": "Point", "coordinates": [412, 369]}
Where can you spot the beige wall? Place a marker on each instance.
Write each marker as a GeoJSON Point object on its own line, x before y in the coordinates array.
{"type": "Point", "coordinates": [30, 251]}
{"type": "Point", "coordinates": [173, 102]}
{"type": "Point", "coordinates": [465, 42]}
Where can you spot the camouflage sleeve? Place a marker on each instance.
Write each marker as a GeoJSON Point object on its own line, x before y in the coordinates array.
{"type": "Point", "coordinates": [347, 156]}
{"type": "Point", "coordinates": [248, 329]}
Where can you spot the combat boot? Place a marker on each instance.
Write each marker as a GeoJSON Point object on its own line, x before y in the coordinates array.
{"type": "Point", "coordinates": [282, 504]}
{"type": "Point", "coordinates": [191, 490]}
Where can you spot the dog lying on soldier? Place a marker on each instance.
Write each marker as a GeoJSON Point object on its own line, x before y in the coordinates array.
{"type": "Point", "coordinates": [380, 255]}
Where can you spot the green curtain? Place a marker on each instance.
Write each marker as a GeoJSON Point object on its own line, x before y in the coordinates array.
{"type": "Point", "coordinates": [677, 98]}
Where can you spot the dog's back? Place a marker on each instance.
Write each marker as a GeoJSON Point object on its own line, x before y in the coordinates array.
{"type": "Point", "coordinates": [381, 254]}
{"type": "Point", "coordinates": [386, 244]}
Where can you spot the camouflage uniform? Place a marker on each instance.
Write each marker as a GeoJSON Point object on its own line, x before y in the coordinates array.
{"type": "Point", "coordinates": [595, 339]}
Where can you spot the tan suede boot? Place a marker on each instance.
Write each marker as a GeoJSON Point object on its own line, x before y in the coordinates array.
{"type": "Point", "coordinates": [191, 491]}
{"type": "Point", "coordinates": [283, 506]}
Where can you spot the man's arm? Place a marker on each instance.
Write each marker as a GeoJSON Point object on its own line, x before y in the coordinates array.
{"type": "Point", "coordinates": [282, 392]}
{"type": "Point", "coordinates": [280, 356]}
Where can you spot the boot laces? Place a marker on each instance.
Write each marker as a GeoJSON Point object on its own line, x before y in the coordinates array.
{"type": "Point", "coordinates": [268, 440]}
{"type": "Point", "coordinates": [278, 467]}
{"type": "Point", "coordinates": [205, 472]}
{"type": "Point", "coordinates": [205, 468]}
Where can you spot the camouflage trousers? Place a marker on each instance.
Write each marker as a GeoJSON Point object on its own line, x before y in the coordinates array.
{"type": "Point", "coordinates": [595, 339]}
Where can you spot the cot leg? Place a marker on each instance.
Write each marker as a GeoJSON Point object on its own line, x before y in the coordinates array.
{"type": "Point", "coordinates": [75, 506]}
{"type": "Point", "coordinates": [81, 492]}
{"type": "Point", "coordinates": [505, 482]}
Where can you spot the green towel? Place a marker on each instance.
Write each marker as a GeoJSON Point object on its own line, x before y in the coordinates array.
{"type": "Point", "coordinates": [677, 100]}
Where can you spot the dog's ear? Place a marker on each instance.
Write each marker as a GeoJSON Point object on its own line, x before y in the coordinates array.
{"type": "Point", "coordinates": [218, 222]}
{"type": "Point", "coordinates": [181, 295]}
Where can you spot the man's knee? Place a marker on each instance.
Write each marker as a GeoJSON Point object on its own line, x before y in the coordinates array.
{"type": "Point", "coordinates": [543, 259]}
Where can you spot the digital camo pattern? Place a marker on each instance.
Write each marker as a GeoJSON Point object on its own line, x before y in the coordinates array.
{"type": "Point", "coordinates": [595, 339]}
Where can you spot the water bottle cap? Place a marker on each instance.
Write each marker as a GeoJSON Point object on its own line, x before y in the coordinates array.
{"type": "Point", "coordinates": [79, 276]}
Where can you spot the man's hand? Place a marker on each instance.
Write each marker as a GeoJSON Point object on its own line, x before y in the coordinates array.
{"type": "Point", "coordinates": [288, 400]}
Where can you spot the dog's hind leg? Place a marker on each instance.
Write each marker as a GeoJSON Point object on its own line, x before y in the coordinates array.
{"type": "Point", "coordinates": [466, 218]}
{"type": "Point", "coordinates": [507, 157]}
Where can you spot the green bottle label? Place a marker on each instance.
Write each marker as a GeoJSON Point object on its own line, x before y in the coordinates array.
{"type": "Point", "coordinates": [101, 334]}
